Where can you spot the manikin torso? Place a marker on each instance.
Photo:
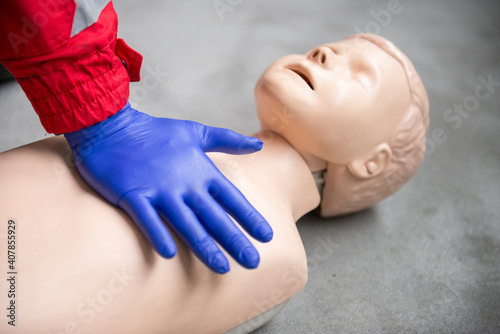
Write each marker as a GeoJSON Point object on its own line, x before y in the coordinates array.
{"type": "Point", "coordinates": [82, 263]}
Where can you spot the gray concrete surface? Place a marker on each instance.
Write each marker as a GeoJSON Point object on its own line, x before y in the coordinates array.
{"type": "Point", "coordinates": [426, 259]}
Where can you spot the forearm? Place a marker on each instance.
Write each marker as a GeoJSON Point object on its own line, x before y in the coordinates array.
{"type": "Point", "coordinates": [70, 69]}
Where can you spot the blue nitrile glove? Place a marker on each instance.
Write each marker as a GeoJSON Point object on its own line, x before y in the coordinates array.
{"type": "Point", "coordinates": [157, 167]}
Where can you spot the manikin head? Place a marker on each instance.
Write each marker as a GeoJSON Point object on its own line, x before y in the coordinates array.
{"type": "Point", "coordinates": [355, 109]}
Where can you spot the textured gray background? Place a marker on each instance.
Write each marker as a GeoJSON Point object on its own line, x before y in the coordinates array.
{"type": "Point", "coordinates": [426, 259]}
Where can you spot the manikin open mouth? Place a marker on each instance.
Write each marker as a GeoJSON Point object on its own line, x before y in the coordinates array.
{"type": "Point", "coordinates": [303, 76]}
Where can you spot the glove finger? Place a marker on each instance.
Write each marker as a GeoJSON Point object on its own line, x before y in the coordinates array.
{"type": "Point", "coordinates": [187, 226]}
{"type": "Point", "coordinates": [218, 224]}
{"type": "Point", "coordinates": [149, 222]}
{"type": "Point", "coordinates": [235, 203]}
{"type": "Point", "coordinates": [227, 141]}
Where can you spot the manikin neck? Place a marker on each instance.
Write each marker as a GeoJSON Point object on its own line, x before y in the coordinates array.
{"type": "Point", "coordinates": [318, 167]}
{"type": "Point", "coordinates": [314, 163]}
{"type": "Point", "coordinates": [290, 173]}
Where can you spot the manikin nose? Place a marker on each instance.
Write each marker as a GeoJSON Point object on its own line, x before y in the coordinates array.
{"type": "Point", "coordinates": [320, 55]}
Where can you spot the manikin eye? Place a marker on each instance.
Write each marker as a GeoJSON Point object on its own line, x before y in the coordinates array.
{"type": "Point", "coordinates": [362, 72]}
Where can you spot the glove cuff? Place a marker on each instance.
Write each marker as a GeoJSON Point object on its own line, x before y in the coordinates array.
{"type": "Point", "coordinates": [85, 137]}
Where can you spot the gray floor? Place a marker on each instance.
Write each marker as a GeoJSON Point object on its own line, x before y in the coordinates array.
{"type": "Point", "coordinates": [426, 259]}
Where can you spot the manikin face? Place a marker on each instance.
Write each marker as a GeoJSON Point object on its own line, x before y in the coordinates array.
{"type": "Point", "coordinates": [337, 102]}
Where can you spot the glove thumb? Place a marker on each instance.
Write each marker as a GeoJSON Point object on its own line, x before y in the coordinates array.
{"type": "Point", "coordinates": [227, 141]}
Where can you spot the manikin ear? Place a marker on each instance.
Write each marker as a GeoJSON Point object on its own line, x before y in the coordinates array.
{"type": "Point", "coordinates": [375, 164]}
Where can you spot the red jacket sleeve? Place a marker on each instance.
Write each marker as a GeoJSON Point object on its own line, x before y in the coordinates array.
{"type": "Point", "coordinates": [71, 81]}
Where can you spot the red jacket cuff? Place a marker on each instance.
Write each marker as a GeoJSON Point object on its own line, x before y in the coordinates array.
{"type": "Point", "coordinates": [82, 81]}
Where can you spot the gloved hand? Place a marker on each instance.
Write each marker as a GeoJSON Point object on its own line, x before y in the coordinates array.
{"type": "Point", "coordinates": [157, 167]}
